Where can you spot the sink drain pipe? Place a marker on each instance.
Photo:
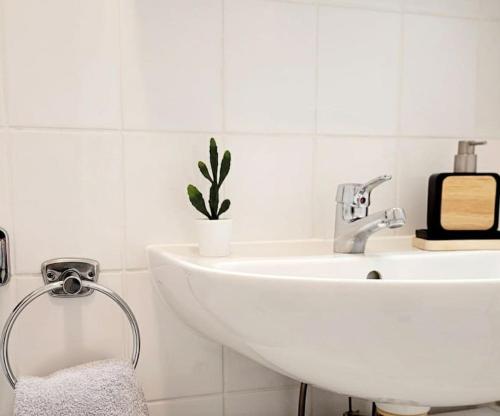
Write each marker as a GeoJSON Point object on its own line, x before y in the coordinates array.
{"type": "Point", "coordinates": [302, 399]}
{"type": "Point", "coordinates": [375, 410]}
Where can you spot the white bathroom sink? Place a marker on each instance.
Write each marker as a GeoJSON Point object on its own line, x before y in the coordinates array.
{"type": "Point", "coordinates": [426, 334]}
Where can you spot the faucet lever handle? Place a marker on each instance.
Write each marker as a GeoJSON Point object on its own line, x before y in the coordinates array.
{"type": "Point", "coordinates": [372, 184]}
{"type": "Point", "coordinates": [361, 197]}
{"type": "Point", "coordinates": [356, 196]}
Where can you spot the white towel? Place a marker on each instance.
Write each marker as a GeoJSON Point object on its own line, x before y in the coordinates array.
{"type": "Point", "coordinates": [102, 388]}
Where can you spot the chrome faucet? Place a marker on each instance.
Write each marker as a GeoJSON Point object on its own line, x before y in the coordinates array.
{"type": "Point", "coordinates": [353, 225]}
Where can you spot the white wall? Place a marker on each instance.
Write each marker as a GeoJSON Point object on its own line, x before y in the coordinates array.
{"type": "Point", "coordinates": [106, 105]}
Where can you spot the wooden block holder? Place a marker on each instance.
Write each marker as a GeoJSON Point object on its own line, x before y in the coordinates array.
{"type": "Point", "coordinates": [457, 225]}
{"type": "Point", "coordinates": [435, 205]}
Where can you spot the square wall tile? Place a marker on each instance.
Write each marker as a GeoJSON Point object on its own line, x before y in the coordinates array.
{"type": "Point", "coordinates": [488, 87]}
{"type": "Point", "coordinates": [3, 115]}
{"type": "Point", "coordinates": [67, 197]}
{"type": "Point", "coordinates": [269, 66]}
{"type": "Point", "coordinates": [351, 160]}
{"type": "Point", "coordinates": [158, 168]}
{"type": "Point", "coordinates": [195, 406]}
{"type": "Point", "coordinates": [63, 63]}
{"type": "Point", "coordinates": [419, 159]}
{"type": "Point", "coordinates": [269, 403]}
{"type": "Point", "coordinates": [439, 76]}
{"type": "Point", "coordinates": [175, 361]}
{"type": "Point", "coordinates": [488, 160]}
{"type": "Point", "coordinates": [5, 203]}
{"type": "Point", "coordinates": [241, 373]}
{"type": "Point", "coordinates": [359, 67]}
{"type": "Point", "coordinates": [490, 9]}
{"type": "Point", "coordinates": [457, 8]}
{"type": "Point", "coordinates": [270, 187]}
{"type": "Point", "coordinates": [389, 5]}
{"type": "Point", "coordinates": [172, 64]}
{"type": "Point", "coordinates": [67, 332]}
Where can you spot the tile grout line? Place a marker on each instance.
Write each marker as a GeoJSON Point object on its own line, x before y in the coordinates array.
{"type": "Point", "coordinates": [223, 65]}
{"type": "Point", "coordinates": [381, 9]}
{"type": "Point", "coordinates": [231, 393]}
{"type": "Point", "coordinates": [223, 365]}
{"type": "Point", "coordinates": [316, 71]}
{"type": "Point", "coordinates": [338, 5]}
{"type": "Point", "coordinates": [3, 63]}
{"type": "Point", "coordinates": [183, 398]}
{"type": "Point", "coordinates": [316, 118]}
{"type": "Point", "coordinates": [479, 29]}
{"type": "Point", "coordinates": [399, 128]}
{"type": "Point", "coordinates": [224, 127]}
{"type": "Point", "coordinates": [65, 130]}
{"type": "Point", "coordinates": [8, 139]}
{"type": "Point", "coordinates": [123, 167]}
{"type": "Point", "coordinates": [401, 65]}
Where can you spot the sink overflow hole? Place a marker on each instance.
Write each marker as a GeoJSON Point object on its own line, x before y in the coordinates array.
{"type": "Point", "coordinates": [374, 275]}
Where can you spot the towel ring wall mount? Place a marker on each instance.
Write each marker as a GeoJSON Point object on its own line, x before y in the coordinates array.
{"type": "Point", "coordinates": [68, 278]}
{"type": "Point", "coordinates": [4, 257]}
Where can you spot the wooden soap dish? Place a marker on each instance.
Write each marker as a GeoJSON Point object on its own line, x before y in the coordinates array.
{"type": "Point", "coordinates": [459, 240]}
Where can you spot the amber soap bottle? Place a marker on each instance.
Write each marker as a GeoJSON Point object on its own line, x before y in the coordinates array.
{"type": "Point", "coordinates": [463, 204]}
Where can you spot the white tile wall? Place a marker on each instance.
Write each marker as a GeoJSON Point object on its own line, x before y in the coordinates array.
{"type": "Point", "coordinates": [5, 206]}
{"type": "Point", "coordinates": [3, 115]}
{"type": "Point", "coordinates": [459, 8]}
{"type": "Point", "coordinates": [62, 63]}
{"type": "Point", "coordinates": [389, 5]}
{"type": "Point", "coordinates": [257, 403]}
{"type": "Point", "coordinates": [176, 361]}
{"type": "Point", "coordinates": [68, 197]}
{"type": "Point", "coordinates": [256, 376]}
{"type": "Point", "coordinates": [198, 406]}
{"type": "Point", "coordinates": [284, 167]}
{"type": "Point", "coordinates": [489, 160]}
{"type": "Point", "coordinates": [359, 67]}
{"type": "Point", "coordinates": [269, 56]}
{"type": "Point", "coordinates": [490, 8]}
{"type": "Point", "coordinates": [7, 302]}
{"type": "Point", "coordinates": [439, 76]}
{"type": "Point", "coordinates": [105, 107]}
{"type": "Point", "coordinates": [172, 64]}
{"type": "Point", "coordinates": [78, 332]}
{"type": "Point", "coordinates": [488, 80]}
{"type": "Point", "coordinates": [418, 159]}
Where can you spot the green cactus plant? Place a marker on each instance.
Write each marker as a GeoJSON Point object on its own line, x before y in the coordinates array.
{"type": "Point", "coordinates": [216, 177]}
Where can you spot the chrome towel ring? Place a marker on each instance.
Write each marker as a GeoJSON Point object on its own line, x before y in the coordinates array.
{"type": "Point", "coordinates": [76, 284]}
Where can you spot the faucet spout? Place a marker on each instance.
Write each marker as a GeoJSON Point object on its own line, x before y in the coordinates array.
{"type": "Point", "coordinates": [396, 217]}
{"type": "Point", "coordinates": [351, 237]}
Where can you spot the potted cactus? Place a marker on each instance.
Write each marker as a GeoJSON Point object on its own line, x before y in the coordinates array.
{"type": "Point", "coordinates": [214, 232]}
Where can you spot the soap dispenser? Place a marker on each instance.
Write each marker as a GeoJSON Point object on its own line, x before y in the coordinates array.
{"type": "Point", "coordinates": [464, 204]}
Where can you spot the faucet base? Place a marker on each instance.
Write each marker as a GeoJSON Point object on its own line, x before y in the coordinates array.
{"type": "Point", "coordinates": [351, 237]}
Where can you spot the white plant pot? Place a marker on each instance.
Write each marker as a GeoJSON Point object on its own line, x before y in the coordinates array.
{"type": "Point", "coordinates": [214, 237]}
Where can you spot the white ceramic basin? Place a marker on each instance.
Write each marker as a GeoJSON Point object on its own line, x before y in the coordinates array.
{"type": "Point", "coordinates": [427, 333]}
